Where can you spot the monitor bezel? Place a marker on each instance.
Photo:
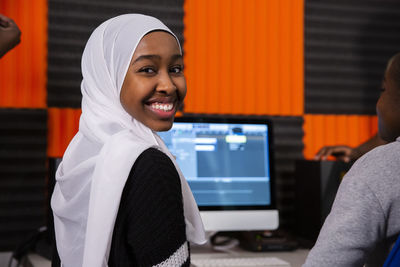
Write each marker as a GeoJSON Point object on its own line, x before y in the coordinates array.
{"type": "Point", "coordinates": [262, 120]}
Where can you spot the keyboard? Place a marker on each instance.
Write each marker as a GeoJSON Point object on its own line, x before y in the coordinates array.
{"type": "Point", "coordinates": [240, 262]}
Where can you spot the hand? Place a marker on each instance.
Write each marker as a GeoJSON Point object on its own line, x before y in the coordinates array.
{"type": "Point", "coordinates": [343, 153]}
{"type": "Point", "coordinates": [9, 34]}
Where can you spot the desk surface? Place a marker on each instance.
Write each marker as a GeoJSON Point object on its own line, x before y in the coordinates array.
{"type": "Point", "coordinates": [296, 258]}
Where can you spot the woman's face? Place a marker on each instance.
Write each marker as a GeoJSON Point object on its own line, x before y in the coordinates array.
{"type": "Point", "coordinates": [154, 85]}
{"type": "Point", "coordinates": [388, 111]}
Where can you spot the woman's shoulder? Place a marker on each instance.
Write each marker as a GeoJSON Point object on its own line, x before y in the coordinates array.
{"type": "Point", "coordinates": [152, 171]}
{"type": "Point", "coordinates": [154, 157]}
{"type": "Point", "coordinates": [152, 151]}
{"type": "Point", "coordinates": [154, 164]}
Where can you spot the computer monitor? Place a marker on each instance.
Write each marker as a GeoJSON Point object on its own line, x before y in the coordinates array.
{"type": "Point", "coordinates": [228, 163]}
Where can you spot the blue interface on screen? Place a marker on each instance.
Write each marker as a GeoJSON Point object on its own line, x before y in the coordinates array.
{"type": "Point", "coordinates": [225, 164]}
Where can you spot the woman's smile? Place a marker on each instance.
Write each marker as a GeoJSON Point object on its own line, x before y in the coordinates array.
{"type": "Point", "coordinates": [164, 110]}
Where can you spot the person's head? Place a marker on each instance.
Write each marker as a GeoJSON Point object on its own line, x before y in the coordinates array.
{"type": "Point", "coordinates": [388, 106]}
{"type": "Point", "coordinates": [133, 79]}
{"type": "Point", "coordinates": [154, 85]}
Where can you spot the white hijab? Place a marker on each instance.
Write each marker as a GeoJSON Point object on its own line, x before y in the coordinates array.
{"type": "Point", "coordinates": [97, 162]}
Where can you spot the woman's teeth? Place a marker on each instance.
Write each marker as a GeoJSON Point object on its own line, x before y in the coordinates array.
{"type": "Point", "coordinates": [164, 107]}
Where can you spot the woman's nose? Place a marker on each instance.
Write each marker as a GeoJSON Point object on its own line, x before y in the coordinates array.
{"type": "Point", "coordinates": [165, 83]}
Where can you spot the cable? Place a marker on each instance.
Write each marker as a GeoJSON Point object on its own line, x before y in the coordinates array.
{"type": "Point", "coordinates": [29, 243]}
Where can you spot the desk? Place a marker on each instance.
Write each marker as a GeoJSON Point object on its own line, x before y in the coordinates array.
{"type": "Point", "coordinates": [296, 258]}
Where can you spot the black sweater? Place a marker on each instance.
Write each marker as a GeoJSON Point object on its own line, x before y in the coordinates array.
{"type": "Point", "coordinates": [150, 225]}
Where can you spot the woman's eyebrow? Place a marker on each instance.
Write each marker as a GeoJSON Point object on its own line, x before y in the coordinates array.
{"type": "Point", "coordinates": [143, 57]}
{"type": "Point", "coordinates": [157, 57]}
{"type": "Point", "coordinates": [177, 56]}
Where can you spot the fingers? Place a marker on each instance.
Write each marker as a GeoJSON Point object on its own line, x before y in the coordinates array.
{"type": "Point", "coordinates": [340, 152]}
{"type": "Point", "coordinates": [9, 34]}
{"type": "Point", "coordinates": [8, 24]}
{"type": "Point", "coordinates": [323, 153]}
{"type": "Point", "coordinates": [5, 21]}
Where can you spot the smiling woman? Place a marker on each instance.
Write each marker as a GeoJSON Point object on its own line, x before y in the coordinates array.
{"type": "Point", "coordinates": [154, 86]}
{"type": "Point", "coordinates": [118, 199]}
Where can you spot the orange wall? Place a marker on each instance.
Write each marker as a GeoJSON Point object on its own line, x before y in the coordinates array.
{"type": "Point", "coordinates": [23, 69]}
{"type": "Point", "coordinates": [244, 56]}
{"type": "Point", "coordinates": [350, 130]}
{"type": "Point", "coordinates": [63, 124]}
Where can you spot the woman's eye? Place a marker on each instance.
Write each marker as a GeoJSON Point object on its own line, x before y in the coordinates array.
{"type": "Point", "coordinates": [147, 70]}
{"type": "Point", "coordinates": [176, 69]}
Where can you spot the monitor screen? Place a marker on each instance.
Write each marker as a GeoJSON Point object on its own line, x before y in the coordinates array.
{"type": "Point", "coordinates": [227, 163]}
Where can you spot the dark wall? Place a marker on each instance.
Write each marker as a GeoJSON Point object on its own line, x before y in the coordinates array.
{"type": "Point", "coordinates": [347, 45]}
{"type": "Point", "coordinates": [23, 174]}
{"type": "Point", "coordinates": [288, 143]}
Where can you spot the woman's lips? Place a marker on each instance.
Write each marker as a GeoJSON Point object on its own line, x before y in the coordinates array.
{"type": "Point", "coordinates": [161, 109]}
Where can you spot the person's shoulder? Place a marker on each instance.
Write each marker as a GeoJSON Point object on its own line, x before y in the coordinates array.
{"type": "Point", "coordinates": [378, 164]}
{"type": "Point", "coordinates": [382, 155]}
{"type": "Point", "coordinates": [153, 156]}
{"type": "Point", "coordinates": [154, 161]}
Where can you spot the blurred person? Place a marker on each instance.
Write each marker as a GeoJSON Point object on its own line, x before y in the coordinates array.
{"type": "Point", "coordinates": [364, 222]}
